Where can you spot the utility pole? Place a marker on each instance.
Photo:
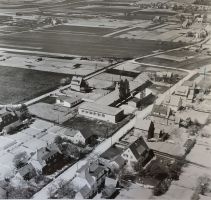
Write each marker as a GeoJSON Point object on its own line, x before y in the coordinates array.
{"type": "Point", "coordinates": [205, 69]}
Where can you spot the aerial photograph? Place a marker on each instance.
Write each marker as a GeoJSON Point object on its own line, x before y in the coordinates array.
{"type": "Point", "coordinates": [105, 99]}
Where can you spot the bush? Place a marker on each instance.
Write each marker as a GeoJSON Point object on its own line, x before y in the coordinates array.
{"type": "Point", "coordinates": [161, 188]}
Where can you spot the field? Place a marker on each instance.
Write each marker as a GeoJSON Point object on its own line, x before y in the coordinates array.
{"type": "Point", "coordinates": [19, 85]}
{"type": "Point", "coordinates": [85, 45]}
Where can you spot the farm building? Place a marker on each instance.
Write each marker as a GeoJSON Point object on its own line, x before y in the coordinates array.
{"type": "Point", "coordinates": [78, 84]}
{"type": "Point", "coordinates": [67, 101]}
{"type": "Point", "coordinates": [101, 112]}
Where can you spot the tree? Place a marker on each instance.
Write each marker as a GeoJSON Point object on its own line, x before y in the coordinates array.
{"type": "Point", "coordinates": [124, 89]}
{"type": "Point", "coordinates": [58, 140]}
{"type": "Point", "coordinates": [127, 88]}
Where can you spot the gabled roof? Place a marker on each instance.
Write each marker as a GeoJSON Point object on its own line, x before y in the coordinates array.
{"type": "Point", "coordinates": [110, 182]}
{"type": "Point", "coordinates": [85, 191]}
{"type": "Point", "coordinates": [138, 147]}
{"type": "Point", "coordinates": [160, 110]}
{"type": "Point", "coordinates": [143, 124]}
{"type": "Point", "coordinates": [70, 132]}
{"type": "Point", "coordinates": [173, 100]}
{"type": "Point", "coordinates": [76, 80]}
{"type": "Point", "coordinates": [190, 84]}
{"type": "Point", "coordinates": [182, 91]}
{"type": "Point", "coordinates": [28, 168]}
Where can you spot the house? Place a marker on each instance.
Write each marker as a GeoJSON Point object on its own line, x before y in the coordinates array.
{"type": "Point", "coordinates": [68, 102]}
{"type": "Point", "coordinates": [9, 121]}
{"type": "Point", "coordinates": [27, 171]}
{"type": "Point", "coordinates": [110, 190]}
{"type": "Point", "coordinates": [186, 91]}
{"type": "Point", "coordinates": [138, 151]}
{"type": "Point", "coordinates": [49, 155]}
{"type": "Point", "coordinates": [162, 114]}
{"type": "Point", "coordinates": [101, 112]}
{"type": "Point", "coordinates": [174, 102]}
{"type": "Point", "coordinates": [77, 136]}
{"type": "Point", "coordinates": [78, 84]}
{"type": "Point", "coordinates": [145, 126]}
{"type": "Point", "coordinates": [89, 178]}
{"type": "Point", "coordinates": [182, 91]}
{"type": "Point", "coordinates": [84, 193]}
{"type": "Point", "coordinates": [112, 158]}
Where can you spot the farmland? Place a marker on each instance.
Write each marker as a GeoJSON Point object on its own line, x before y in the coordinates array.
{"type": "Point", "coordinates": [19, 85]}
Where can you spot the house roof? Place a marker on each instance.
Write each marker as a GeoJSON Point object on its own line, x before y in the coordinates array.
{"type": "Point", "coordinates": [76, 80]}
{"type": "Point", "coordinates": [110, 182]}
{"type": "Point", "coordinates": [70, 132]}
{"type": "Point", "coordinates": [160, 110]}
{"type": "Point", "coordinates": [84, 191]}
{"type": "Point", "coordinates": [138, 147]}
{"type": "Point", "coordinates": [143, 124]}
{"type": "Point", "coordinates": [69, 99]}
{"type": "Point", "coordinates": [112, 152]}
{"type": "Point", "coordinates": [100, 108]}
{"type": "Point", "coordinates": [182, 90]}
{"type": "Point", "coordinates": [173, 100]}
{"type": "Point", "coordinates": [46, 152]}
{"type": "Point", "coordinates": [28, 168]}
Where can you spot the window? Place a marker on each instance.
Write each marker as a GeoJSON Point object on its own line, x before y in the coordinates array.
{"type": "Point", "coordinates": [99, 114]}
{"type": "Point", "coordinates": [82, 110]}
{"type": "Point", "coordinates": [90, 113]}
{"type": "Point", "coordinates": [103, 115]}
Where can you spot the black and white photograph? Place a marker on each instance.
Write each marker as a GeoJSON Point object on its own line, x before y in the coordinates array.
{"type": "Point", "coordinates": [105, 99]}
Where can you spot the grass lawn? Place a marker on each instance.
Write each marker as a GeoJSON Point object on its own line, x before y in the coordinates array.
{"type": "Point", "coordinates": [19, 85]}
{"type": "Point", "coordinates": [93, 126]}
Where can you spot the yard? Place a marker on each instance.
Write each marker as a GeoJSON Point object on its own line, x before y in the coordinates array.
{"type": "Point", "coordinates": [94, 127]}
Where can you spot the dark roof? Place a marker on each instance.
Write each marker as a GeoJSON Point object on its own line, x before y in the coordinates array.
{"type": "Point", "coordinates": [112, 152]}
{"type": "Point", "coordinates": [138, 147]}
{"type": "Point", "coordinates": [98, 171]}
{"type": "Point", "coordinates": [160, 110]}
